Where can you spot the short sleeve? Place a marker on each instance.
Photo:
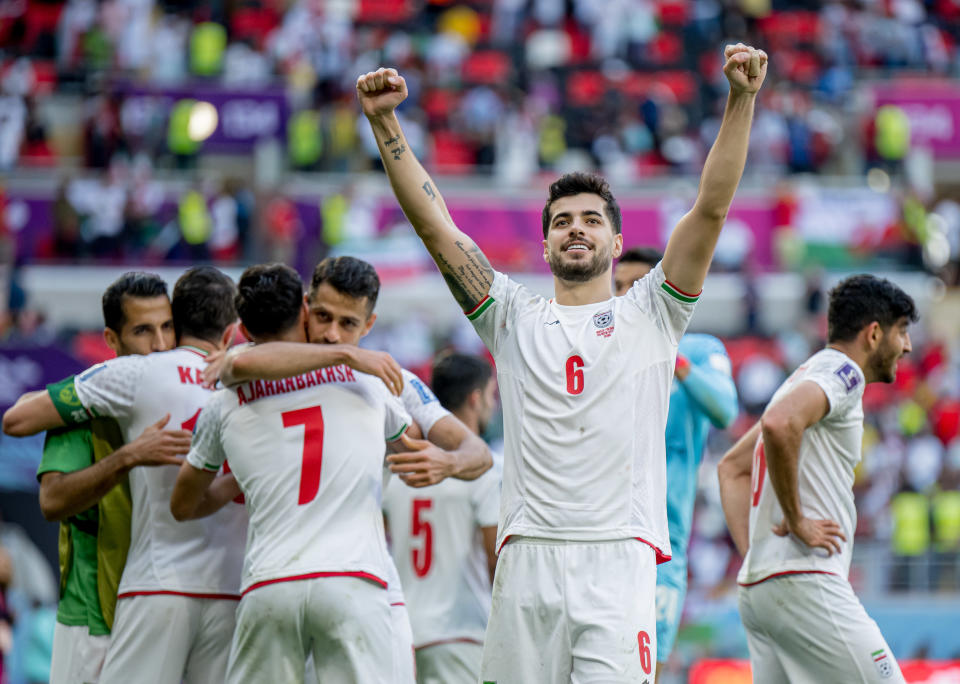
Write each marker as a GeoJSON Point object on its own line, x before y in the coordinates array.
{"type": "Point", "coordinates": [63, 394]}
{"type": "Point", "coordinates": [421, 403]}
{"type": "Point", "coordinates": [206, 447]}
{"type": "Point", "coordinates": [841, 380]}
{"type": "Point", "coordinates": [496, 314]}
{"type": "Point", "coordinates": [66, 450]}
{"type": "Point", "coordinates": [397, 420]}
{"type": "Point", "coordinates": [486, 499]}
{"type": "Point", "coordinates": [669, 307]}
{"type": "Point", "coordinates": [110, 388]}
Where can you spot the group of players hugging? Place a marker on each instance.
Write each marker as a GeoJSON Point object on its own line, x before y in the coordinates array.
{"type": "Point", "coordinates": [261, 556]}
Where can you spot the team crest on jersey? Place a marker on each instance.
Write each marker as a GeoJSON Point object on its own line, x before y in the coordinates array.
{"type": "Point", "coordinates": [882, 663]}
{"type": "Point", "coordinates": [849, 376]}
{"type": "Point", "coordinates": [603, 322]}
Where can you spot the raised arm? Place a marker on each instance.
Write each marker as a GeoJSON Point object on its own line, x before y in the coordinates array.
{"type": "Point", "coordinates": [783, 424]}
{"type": "Point", "coordinates": [690, 248]}
{"type": "Point", "coordinates": [278, 360]}
{"type": "Point", "coordinates": [734, 472]}
{"type": "Point", "coordinates": [63, 494]}
{"type": "Point", "coordinates": [466, 270]}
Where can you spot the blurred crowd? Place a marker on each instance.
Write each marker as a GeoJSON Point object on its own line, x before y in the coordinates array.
{"type": "Point", "coordinates": [632, 86]}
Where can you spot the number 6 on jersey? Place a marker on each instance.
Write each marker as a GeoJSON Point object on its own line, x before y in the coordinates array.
{"type": "Point", "coordinates": [312, 421]}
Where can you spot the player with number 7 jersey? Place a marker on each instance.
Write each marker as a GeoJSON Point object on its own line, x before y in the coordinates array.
{"type": "Point", "coordinates": [307, 452]}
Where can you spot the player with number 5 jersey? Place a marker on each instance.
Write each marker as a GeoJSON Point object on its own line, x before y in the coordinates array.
{"type": "Point", "coordinates": [585, 381]}
{"type": "Point", "coordinates": [307, 453]}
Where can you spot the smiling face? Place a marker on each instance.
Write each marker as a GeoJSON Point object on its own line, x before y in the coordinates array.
{"type": "Point", "coordinates": [580, 244]}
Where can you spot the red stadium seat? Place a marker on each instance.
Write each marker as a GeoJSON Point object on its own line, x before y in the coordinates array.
{"type": "Point", "coordinates": [452, 153]}
{"type": "Point", "coordinates": [384, 11]}
{"type": "Point", "coordinates": [488, 67]}
{"type": "Point", "coordinates": [585, 88]}
{"type": "Point", "coordinates": [253, 24]}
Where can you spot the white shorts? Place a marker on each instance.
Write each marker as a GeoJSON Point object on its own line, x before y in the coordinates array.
{"type": "Point", "coordinates": [572, 612]}
{"type": "Point", "coordinates": [344, 622]}
{"type": "Point", "coordinates": [810, 628]}
{"type": "Point", "coordinates": [457, 662]}
{"type": "Point", "coordinates": [404, 666]}
{"type": "Point", "coordinates": [173, 638]}
{"type": "Point", "coordinates": [77, 655]}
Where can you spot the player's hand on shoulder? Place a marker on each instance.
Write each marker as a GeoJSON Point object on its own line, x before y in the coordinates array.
{"type": "Point", "coordinates": [824, 534]}
{"type": "Point", "coordinates": [157, 446]}
{"type": "Point", "coordinates": [381, 91]}
{"type": "Point", "coordinates": [423, 464]}
{"type": "Point", "coordinates": [377, 363]}
{"type": "Point", "coordinates": [215, 363]}
{"type": "Point", "coordinates": [745, 68]}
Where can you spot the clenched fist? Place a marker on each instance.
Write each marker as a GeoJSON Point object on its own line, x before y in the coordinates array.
{"type": "Point", "coordinates": [746, 68]}
{"type": "Point", "coordinates": [381, 91]}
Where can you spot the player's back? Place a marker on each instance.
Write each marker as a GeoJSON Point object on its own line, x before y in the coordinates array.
{"type": "Point", "coordinates": [829, 452]}
{"type": "Point", "coordinates": [437, 545]}
{"type": "Point", "coordinates": [193, 557]}
{"type": "Point", "coordinates": [308, 454]}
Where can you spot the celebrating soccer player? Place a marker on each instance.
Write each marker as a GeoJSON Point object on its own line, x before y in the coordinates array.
{"type": "Point", "coordinates": [179, 589]}
{"type": "Point", "coordinates": [307, 452]}
{"type": "Point", "coordinates": [443, 539]}
{"type": "Point", "coordinates": [787, 493]}
{"type": "Point", "coordinates": [83, 484]}
{"type": "Point", "coordinates": [585, 380]}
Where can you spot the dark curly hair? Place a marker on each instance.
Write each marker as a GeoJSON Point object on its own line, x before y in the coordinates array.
{"type": "Point", "coordinates": [859, 300]}
{"type": "Point", "coordinates": [269, 298]}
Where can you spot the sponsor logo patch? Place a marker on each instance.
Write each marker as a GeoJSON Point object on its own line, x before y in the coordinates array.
{"type": "Point", "coordinates": [426, 396]}
{"type": "Point", "coordinates": [848, 374]}
{"type": "Point", "coordinates": [603, 321]}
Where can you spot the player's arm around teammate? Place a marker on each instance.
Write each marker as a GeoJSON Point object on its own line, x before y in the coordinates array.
{"type": "Point", "coordinates": [464, 267]}
{"type": "Point", "coordinates": [65, 494]}
{"type": "Point", "coordinates": [450, 449]}
{"type": "Point", "coordinates": [278, 360]}
{"type": "Point", "coordinates": [691, 245]}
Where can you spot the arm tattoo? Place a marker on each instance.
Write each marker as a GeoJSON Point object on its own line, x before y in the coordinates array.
{"type": "Point", "coordinates": [427, 188]}
{"type": "Point", "coordinates": [397, 152]}
{"type": "Point", "coordinates": [392, 141]}
{"type": "Point", "coordinates": [471, 279]}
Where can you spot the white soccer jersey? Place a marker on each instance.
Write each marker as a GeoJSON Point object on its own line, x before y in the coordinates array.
{"type": "Point", "coordinates": [585, 392]}
{"type": "Point", "coordinates": [307, 453]}
{"type": "Point", "coordinates": [425, 409]}
{"type": "Point", "coordinates": [829, 452]}
{"type": "Point", "coordinates": [438, 548]}
{"type": "Point", "coordinates": [194, 558]}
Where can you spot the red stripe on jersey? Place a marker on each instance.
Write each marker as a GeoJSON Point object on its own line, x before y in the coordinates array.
{"type": "Point", "coordinates": [505, 540]}
{"type": "Point", "coordinates": [661, 556]}
{"type": "Point", "coordinates": [462, 640]}
{"type": "Point", "coordinates": [787, 572]}
{"type": "Point", "coordinates": [188, 594]}
{"type": "Point", "coordinates": [685, 294]}
{"type": "Point", "coordinates": [401, 603]}
{"type": "Point", "coordinates": [314, 575]}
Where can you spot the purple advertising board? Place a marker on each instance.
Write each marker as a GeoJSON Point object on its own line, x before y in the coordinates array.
{"type": "Point", "coordinates": [244, 116]}
{"type": "Point", "coordinates": [933, 109]}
